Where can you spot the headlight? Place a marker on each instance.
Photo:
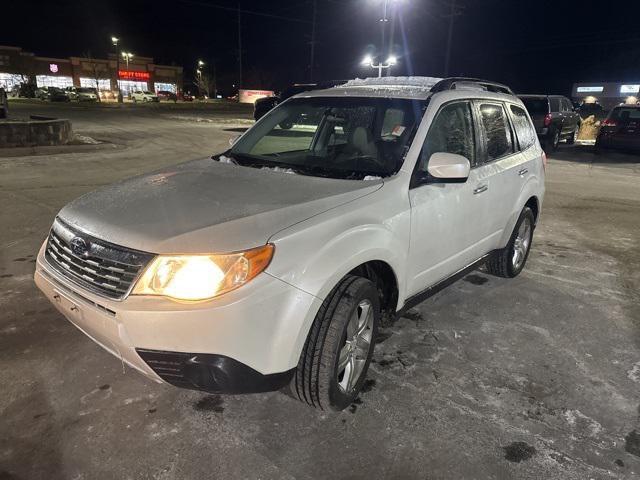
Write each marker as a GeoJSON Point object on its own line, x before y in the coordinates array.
{"type": "Point", "coordinates": [200, 277]}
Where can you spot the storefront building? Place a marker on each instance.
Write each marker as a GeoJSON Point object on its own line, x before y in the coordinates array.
{"type": "Point", "coordinates": [607, 94]}
{"type": "Point", "coordinates": [136, 73]}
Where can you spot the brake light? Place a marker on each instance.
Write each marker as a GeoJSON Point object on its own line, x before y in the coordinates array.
{"type": "Point", "coordinates": [547, 120]}
{"type": "Point", "coordinates": [544, 161]}
{"type": "Point", "coordinates": [609, 123]}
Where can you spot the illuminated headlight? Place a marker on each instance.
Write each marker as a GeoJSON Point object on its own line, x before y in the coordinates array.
{"type": "Point", "coordinates": [201, 277]}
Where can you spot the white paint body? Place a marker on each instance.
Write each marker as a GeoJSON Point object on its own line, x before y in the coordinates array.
{"type": "Point", "coordinates": [321, 228]}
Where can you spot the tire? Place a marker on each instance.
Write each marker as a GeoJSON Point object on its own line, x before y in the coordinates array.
{"type": "Point", "coordinates": [574, 136]}
{"type": "Point", "coordinates": [318, 380]}
{"type": "Point", "coordinates": [504, 262]}
{"type": "Point", "coordinates": [553, 140]}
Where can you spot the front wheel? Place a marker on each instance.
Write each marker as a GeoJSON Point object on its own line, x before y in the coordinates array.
{"type": "Point", "coordinates": [338, 350]}
{"type": "Point", "coordinates": [574, 136]}
{"type": "Point", "coordinates": [509, 261]}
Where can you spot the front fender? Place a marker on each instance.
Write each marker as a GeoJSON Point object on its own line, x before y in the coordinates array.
{"type": "Point", "coordinates": [316, 254]}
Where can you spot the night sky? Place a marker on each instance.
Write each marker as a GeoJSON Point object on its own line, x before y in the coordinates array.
{"type": "Point", "coordinates": [533, 46]}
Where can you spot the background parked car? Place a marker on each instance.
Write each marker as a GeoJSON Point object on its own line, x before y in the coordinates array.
{"type": "Point", "coordinates": [621, 129]}
{"type": "Point", "coordinates": [4, 104]}
{"type": "Point", "coordinates": [52, 94]}
{"type": "Point", "coordinates": [87, 94]}
{"type": "Point", "coordinates": [144, 96]}
{"type": "Point", "coordinates": [71, 92]}
{"type": "Point", "coordinates": [554, 118]}
{"type": "Point", "coordinates": [166, 95]}
{"type": "Point", "coordinates": [263, 105]}
{"type": "Point", "coordinates": [186, 97]}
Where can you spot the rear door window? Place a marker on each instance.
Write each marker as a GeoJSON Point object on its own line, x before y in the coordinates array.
{"type": "Point", "coordinates": [497, 131]}
{"type": "Point", "coordinates": [524, 130]}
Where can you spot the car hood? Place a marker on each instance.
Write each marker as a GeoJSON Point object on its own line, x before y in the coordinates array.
{"type": "Point", "coordinates": [204, 206]}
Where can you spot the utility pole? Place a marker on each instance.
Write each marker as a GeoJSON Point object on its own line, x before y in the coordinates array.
{"type": "Point", "coordinates": [454, 12]}
{"type": "Point", "coordinates": [313, 40]}
{"type": "Point", "coordinates": [239, 47]}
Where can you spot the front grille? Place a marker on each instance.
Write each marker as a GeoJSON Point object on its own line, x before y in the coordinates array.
{"type": "Point", "coordinates": [101, 267]}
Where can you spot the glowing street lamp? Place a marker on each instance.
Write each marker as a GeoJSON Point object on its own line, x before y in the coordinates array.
{"type": "Point", "coordinates": [369, 61]}
{"type": "Point", "coordinates": [114, 41]}
{"type": "Point", "coordinates": [127, 57]}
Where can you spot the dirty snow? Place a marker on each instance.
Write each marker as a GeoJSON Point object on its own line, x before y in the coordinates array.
{"type": "Point", "coordinates": [279, 169]}
{"type": "Point", "coordinates": [225, 159]}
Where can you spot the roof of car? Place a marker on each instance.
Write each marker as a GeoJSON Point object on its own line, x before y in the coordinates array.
{"type": "Point", "coordinates": [538, 95]}
{"type": "Point", "coordinates": [412, 88]}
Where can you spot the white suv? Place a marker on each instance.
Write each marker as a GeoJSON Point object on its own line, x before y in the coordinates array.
{"type": "Point", "coordinates": [143, 96]}
{"type": "Point", "coordinates": [272, 265]}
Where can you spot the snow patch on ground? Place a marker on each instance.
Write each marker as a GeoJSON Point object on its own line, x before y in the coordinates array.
{"type": "Point", "coordinates": [634, 373]}
{"type": "Point", "coordinates": [279, 169]}
{"type": "Point", "coordinates": [575, 418]}
{"type": "Point", "coordinates": [84, 140]}
{"type": "Point", "coordinates": [223, 159]}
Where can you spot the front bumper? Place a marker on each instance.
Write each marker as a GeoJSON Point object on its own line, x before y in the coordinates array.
{"type": "Point", "coordinates": [247, 340]}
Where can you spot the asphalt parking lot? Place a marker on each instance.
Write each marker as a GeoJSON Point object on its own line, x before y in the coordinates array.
{"type": "Point", "coordinates": [536, 377]}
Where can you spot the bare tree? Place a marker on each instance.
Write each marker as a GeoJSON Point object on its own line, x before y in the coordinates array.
{"type": "Point", "coordinates": [205, 84]}
{"type": "Point", "coordinates": [97, 69]}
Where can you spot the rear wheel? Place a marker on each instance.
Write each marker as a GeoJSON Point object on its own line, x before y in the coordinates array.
{"type": "Point", "coordinates": [338, 350]}
{"type": "Point", "coordinates": [509, 261]}
{"type": "Point", "coordinates": [553, 140]}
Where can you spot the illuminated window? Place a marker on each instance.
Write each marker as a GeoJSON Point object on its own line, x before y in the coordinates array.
{"type": "Point", "coordinates": [9, 80]}
{"type": "Point", "coordinates": [51, 81]}
{"type": "Point", "coordinates": [165, 87]}
{"type": "Point", "coordinates": [103, 83]}
{"type": "Point", "coordinates": [128, 86]}
{"type": "Point", "coordinates": [630, 89]}
{"type": "Point", "coordinates": [589, 89]}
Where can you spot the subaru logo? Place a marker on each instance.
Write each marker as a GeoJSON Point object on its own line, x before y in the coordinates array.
{"type": "Point", "coordinates": [79, 246]}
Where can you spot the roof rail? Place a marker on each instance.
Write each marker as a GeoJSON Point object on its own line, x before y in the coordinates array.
{"type": "Point", "coordinates": [453, 83]}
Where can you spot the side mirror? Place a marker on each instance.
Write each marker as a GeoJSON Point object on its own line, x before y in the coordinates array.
{"type": "Point", "coordinates": [448, 167]}
{"type": "Point", "coordinates": [233, 140]}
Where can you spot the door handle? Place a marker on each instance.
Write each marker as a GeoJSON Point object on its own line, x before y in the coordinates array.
{"type": "Point", "coordinates": [523, 172]}
{"type": "Point", "coordinates": [481, 189]}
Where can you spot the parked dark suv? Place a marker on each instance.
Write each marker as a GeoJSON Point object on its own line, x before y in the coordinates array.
{"type": "Point", "coordinates": [554, 118]}
{"type": "Point", "coordinates": [621, 129]}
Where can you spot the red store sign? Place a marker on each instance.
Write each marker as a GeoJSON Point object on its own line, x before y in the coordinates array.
{"type": "Point", "coordinates": [132, 75]}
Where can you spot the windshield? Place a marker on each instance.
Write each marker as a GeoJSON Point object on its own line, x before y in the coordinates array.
{"type": "Point", "coordinates": [332, 137]}
{"type": "Point", "coordinates": [536, 105]}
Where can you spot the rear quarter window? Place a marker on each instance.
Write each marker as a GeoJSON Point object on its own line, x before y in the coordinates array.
{"type": "Point", "coordinates": [554, 103]}
{"type": "Point", "coordinates": [524, 130]}
{"type": "Point", "coordinates": [536, 105]}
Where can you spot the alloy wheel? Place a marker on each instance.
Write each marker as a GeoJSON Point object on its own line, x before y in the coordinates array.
{"type": "Point", "coordinates": [521, 244]}
{"type": "Point", "coordinates": [353, 354]}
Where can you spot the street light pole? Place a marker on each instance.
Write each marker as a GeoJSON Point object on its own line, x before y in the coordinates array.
{"type": "Point", "coordinates": [380, 66]}
{"type": "Point", "coordinates": [115, 41]}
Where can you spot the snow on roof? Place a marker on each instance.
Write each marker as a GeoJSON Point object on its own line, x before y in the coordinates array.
{"type": "Point", "coordinates": [394, 82]}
